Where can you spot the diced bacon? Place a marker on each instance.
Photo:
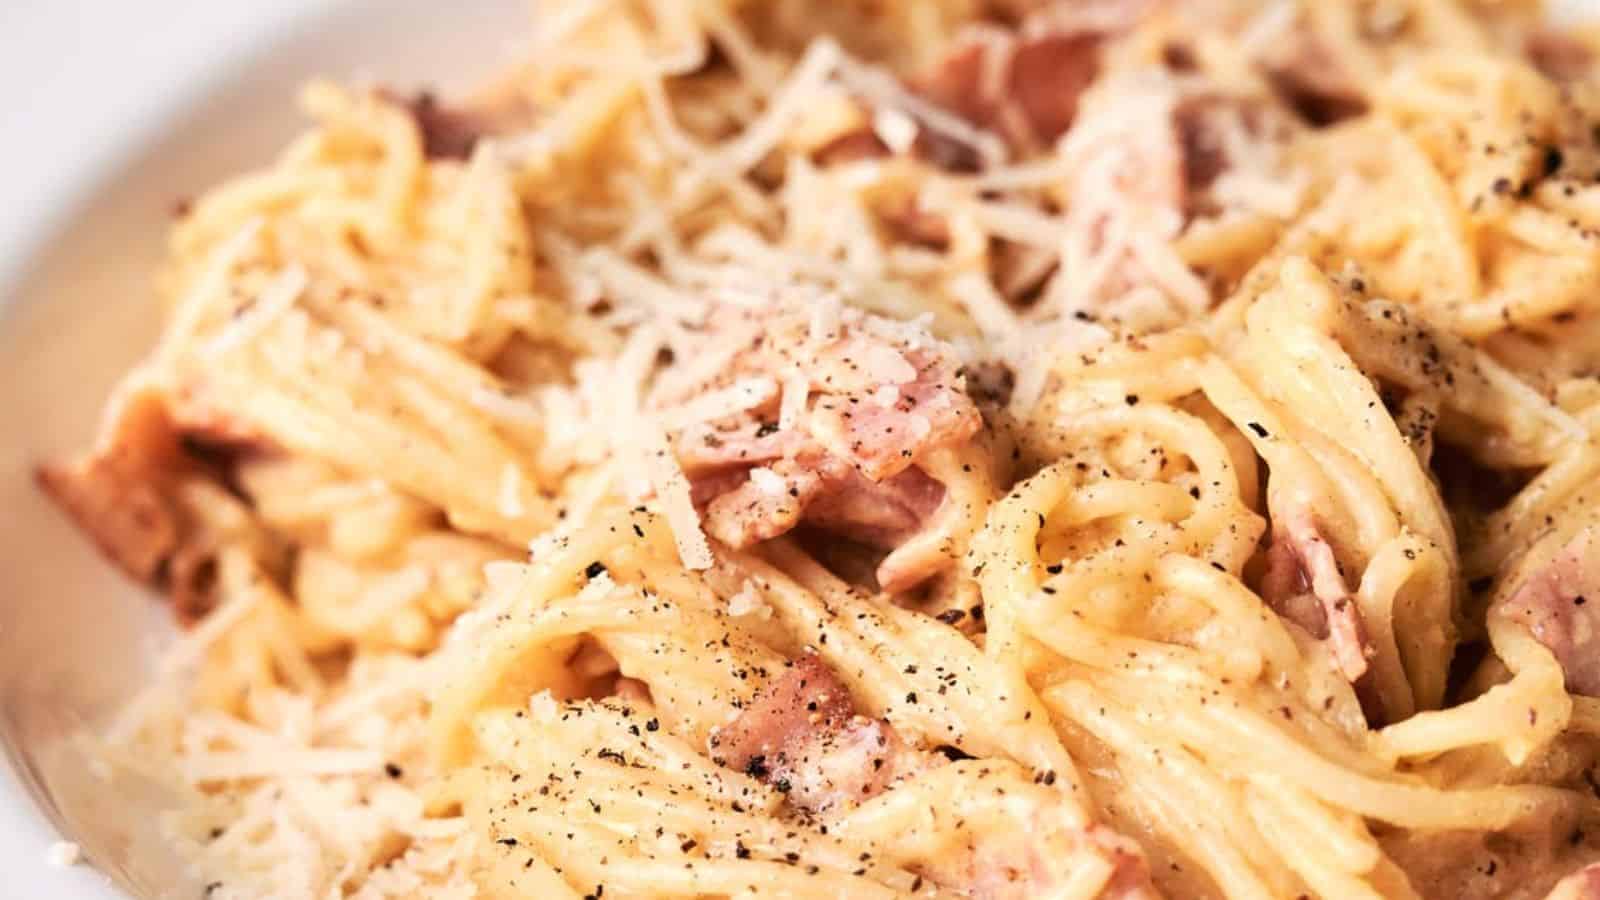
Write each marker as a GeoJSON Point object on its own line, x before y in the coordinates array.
{"type": "Point", "coordinates": [881, 396]}
{"type": "Point", "coordinates": [1583, 884]}
{"type": "Point", "coordinates": [1303, 583]}
{"type": "Point", "coordinates": [1559, 55]}
{"type": "Point", "coordinates": [1047, 75]}
{"type": "Point", "coordinates": [452, 131]}
{"type": "Point", "coordinates": [830, 494]}
{"type": "Point", "coordinates": [123, 494]}
{"type": "Point", "coordinates": [1560, 605]}
{"type": "Point", "coordinates": [802, 735]}
{"type": "Point", "coordinates": [852, 146]}
{"type": "Point", "coordinates": [1029, 94]}
{"type": "Point", "coordinates": [1204, 155]}
{"type": "Point", "coordinates": [931, 410]}
{"type": "Point", "coordinates": [119, 493]}
{"type": "Point", "coordinates": [704, 447]}
{"type": "Point", "coordinates": [913, 224]}
{"type": "Point", "coordinates": [1308, 77]}
{"type": "Point", "coordinates": [749, 513]}
{"type": "Point", "coordinates": [879, 514]}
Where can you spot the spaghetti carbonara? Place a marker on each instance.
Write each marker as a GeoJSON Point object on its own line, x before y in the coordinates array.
{"type": "Point", "coordinates": [891, 449]}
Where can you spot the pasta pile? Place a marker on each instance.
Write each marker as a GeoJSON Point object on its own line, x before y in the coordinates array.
{"type": "Point", "coordinates": [891, 449]}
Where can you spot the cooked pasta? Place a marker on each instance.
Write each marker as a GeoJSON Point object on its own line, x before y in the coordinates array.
{"type": "Point", "coordinates": [891, 449]}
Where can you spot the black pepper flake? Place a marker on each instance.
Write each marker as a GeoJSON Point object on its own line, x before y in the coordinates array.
{"type": "Point", "coordinates": [507, 842]}
{"type": "Point", "coordinates": [595, 569]}
{"type": "Point", "coordinates": [1256, 427]}
{"type": "Point", "coordinates": [392, 770]}
{"type": "Point", "coordinates": [1552, 160]}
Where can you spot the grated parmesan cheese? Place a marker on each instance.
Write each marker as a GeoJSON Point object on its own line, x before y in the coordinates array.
{"type": "Point", "coordinates": [510, 499]}
{"type": "Point", "coordinates": [748, 601]}
{"type": "Point", "coordinates": [273, 301]}
{"type": "Point", "coordinates": [741, 396]}
{"type": "Point", "coordinates": [796, 390]}
{"type": "Point", "coordinates": [824, 325]}
{"type": "Point", "coordinates": [506, 408]}
{"type": "Point", "coordinates": [768, 481]}
{"type": "Point", "coordinates": [672, 490]}
{"type": "Point", "coordinates": [897, 130]}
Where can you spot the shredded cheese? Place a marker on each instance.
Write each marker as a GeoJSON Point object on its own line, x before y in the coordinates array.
{"type": "Point", "coordinates": [672, 490]}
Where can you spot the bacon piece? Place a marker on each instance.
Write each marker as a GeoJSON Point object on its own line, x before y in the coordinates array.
{"type": "Point", "coordinates": [801, 734]}
{"type": "Point", "coordinates": [932, 410]}
{"type": "Point", "coordinates": [852, 146]}
{"type": "Point", "coordinates": [706, 448]}
{"type": "Point", "coordinates": [1303, 583]}
{"type": "Point", "coordinates": [1560, 605]}
{"type": "Point", "coordinates": [1559, 55]}
{"type": "Point", "coordinates": [1030, 95]}
{"type": "Point", "coordinates": [879, 514]}
{"type": "Point", "coordinates": [1204, 123]}
{"type": "Point", "coordinates": [452, 131]}
{"type": "Point", "coordinates": [1305, 74]}
{"type": "Point", "coordinates": [1583, 884]}
{"type": "Point", "coordinates": [120, 493]}
{"type": "Point", "coordinates": [1048, 74]}
{"type": "Point", "coordinates": [879, 397]}
{"type": "Point", "coordinates": [827, 493]}
{"type": "Point", "coordinates": [123, 494]}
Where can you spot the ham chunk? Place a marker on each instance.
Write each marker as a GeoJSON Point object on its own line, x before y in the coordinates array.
{"type": "Point", "coordinates": [1560, 604]}
{"type": "Point", "coordinates": [802, 735]}
{"type": "Point", "coordinates": [1306, 75]}
{"type": "Point", "coordinates": [1025, 88]}
{"type": "Point", "coordinates": [120, 494]}
{"type": "Point", "coordinates": [453, 130]}
{"type": "Point", "coordinates": [882, 432]}
{"type": "Point", "coordinates": [124, 494]}
{"type": "Point", "coordinates": [867, 401]}
{"type": "Point", "coordinates": [1559, 55]}
{"type": "Point", "coordinates": [1022, 86]}
{"type": "Point", "coordinates": [828, 493]}
{"type": "Point", "coordinates": [1025, 837]}
{"type": "Point", "coordinates": [1304, 584]}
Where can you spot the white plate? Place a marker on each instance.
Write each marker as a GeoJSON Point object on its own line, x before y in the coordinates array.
{"type": "Point", "coordinates": [114, 112]}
